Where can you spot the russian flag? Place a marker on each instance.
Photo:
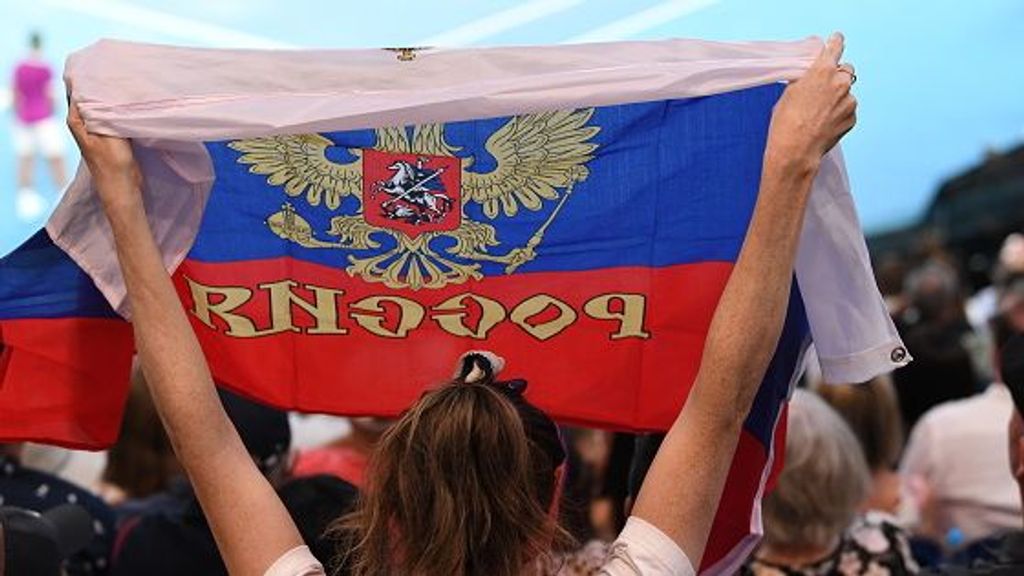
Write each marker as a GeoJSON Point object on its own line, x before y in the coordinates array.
{"type": "Point", "coordinates": [64, 352]}
{"type": "Point", "coordinates": [342, 225]}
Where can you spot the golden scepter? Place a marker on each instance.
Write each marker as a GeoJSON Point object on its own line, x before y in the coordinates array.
{"type": "Point", "coordinates": [526, 253]}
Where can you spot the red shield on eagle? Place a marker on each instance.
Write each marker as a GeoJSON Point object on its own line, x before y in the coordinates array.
{"type": "Point", "coordinates": [412, 193]}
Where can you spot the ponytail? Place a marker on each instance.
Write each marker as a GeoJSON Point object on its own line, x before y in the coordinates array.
{"type": "Point", "coordinates": [454, 486]}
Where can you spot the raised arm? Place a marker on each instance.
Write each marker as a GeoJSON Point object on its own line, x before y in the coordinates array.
{"type": "Point", "coordinates": [681, 492]}
{"type": "Point", "coordinates": [251, 525]}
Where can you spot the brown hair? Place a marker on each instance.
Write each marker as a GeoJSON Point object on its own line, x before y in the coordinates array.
{"type": "Point", "coordinates": [458, 485]}
{"type": "Point", "coordinates": [142, 460]}
{"type": "Point", "coordinates": [872, 411]}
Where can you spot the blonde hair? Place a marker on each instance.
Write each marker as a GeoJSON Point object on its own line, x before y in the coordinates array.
{"type": "Point", "coordinates": [824, 481]}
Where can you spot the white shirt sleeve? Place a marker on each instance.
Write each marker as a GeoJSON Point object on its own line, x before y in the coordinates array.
{"type": "Point", "coordinates": [298, 561]}
{"type": "Point", "coordinates": [643, 550]}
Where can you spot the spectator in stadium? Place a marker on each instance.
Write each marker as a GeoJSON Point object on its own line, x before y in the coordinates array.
{"type": "Point", "coordinates": [39, 491]}
{"type": "Point", "coordinates": [934, 326]}
{"type": "Point", "coordinates": [872, 412]}
{"type": "Point", "coordinates": [472, 448]}
{"type": "Point", "coordinates": [1003, 555]}
{"type": "Point", "coordinates": [951, 461]}
{"type": "Point", "coordinates": [596, 483]}
{"type": "Point", "coordinates": [344, 457]}
{"type": "Point", "coordinates": [168, 533]}
{"type": "Point", "coordinates": [314, 503]}
{"type": "Point", "coordinates": [811, 521]}
{"type": "Point", "coordinates": [586, 451]}
{"type": "Point", "coordinates": [890, 269]}
{"type": "Point", "coordinates": [614, 487]}
{"type": "Point", "coordinates": [35, 129]}
{"type": "Point", "coordinates": [34, 544]}
{"type": "Point", "coordinates": [141, 463]}
{"type": "Point", "coordinates": [982, 306]}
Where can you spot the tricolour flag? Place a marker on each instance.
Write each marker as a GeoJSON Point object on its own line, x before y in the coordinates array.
{"type": "Point", "coordinates": [341, 226]}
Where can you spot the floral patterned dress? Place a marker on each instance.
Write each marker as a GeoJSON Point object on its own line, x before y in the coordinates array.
{"type": "Point", "coordinates": [584, 561]}
{"type": "Point", "coordinates": [873, 546]}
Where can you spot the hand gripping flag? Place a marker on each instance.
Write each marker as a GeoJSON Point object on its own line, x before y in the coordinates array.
{"type": "Point", "coordinates": [342, 225]}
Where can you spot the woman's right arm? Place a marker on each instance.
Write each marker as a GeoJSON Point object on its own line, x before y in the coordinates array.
{"type": "Point", "coordinates": [252, 528]}
{"type": "Point", "coordinates": [681, 492]}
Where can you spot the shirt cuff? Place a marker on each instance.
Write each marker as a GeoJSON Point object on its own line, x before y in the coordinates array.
{"type": "Point", "coordinates": [298, 561]}
{"type": "Point", "coordinates": [649, 545]}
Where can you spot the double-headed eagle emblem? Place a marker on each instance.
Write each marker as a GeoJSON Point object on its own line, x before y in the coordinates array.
{"type": "Point", "coordinates": [414, 186]}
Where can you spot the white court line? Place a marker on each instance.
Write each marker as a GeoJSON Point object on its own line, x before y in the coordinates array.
{"type": "Point", "coordinates": [496, 23]}
{"type": "Point", "coordinates": [642, 21]}
{"type": "Point", "coordinates": [151, 20]}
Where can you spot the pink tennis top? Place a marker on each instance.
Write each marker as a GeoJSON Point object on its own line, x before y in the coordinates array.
{"type": "Point", "coordinates": [31, 88]}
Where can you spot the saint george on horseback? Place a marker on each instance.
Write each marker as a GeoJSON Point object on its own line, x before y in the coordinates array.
{"type": "Point", "coordinates": [417, 193]}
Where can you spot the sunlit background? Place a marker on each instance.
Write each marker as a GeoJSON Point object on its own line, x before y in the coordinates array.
{"type": "Point", "coordinates": [940, 82]}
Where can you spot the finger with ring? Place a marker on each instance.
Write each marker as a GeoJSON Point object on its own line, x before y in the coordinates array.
{"type": "Point", "coordinates": [848, 68]}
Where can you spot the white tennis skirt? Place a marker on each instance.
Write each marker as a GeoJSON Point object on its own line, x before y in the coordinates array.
{"type": "Point", "coordinates": [45, 137]}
